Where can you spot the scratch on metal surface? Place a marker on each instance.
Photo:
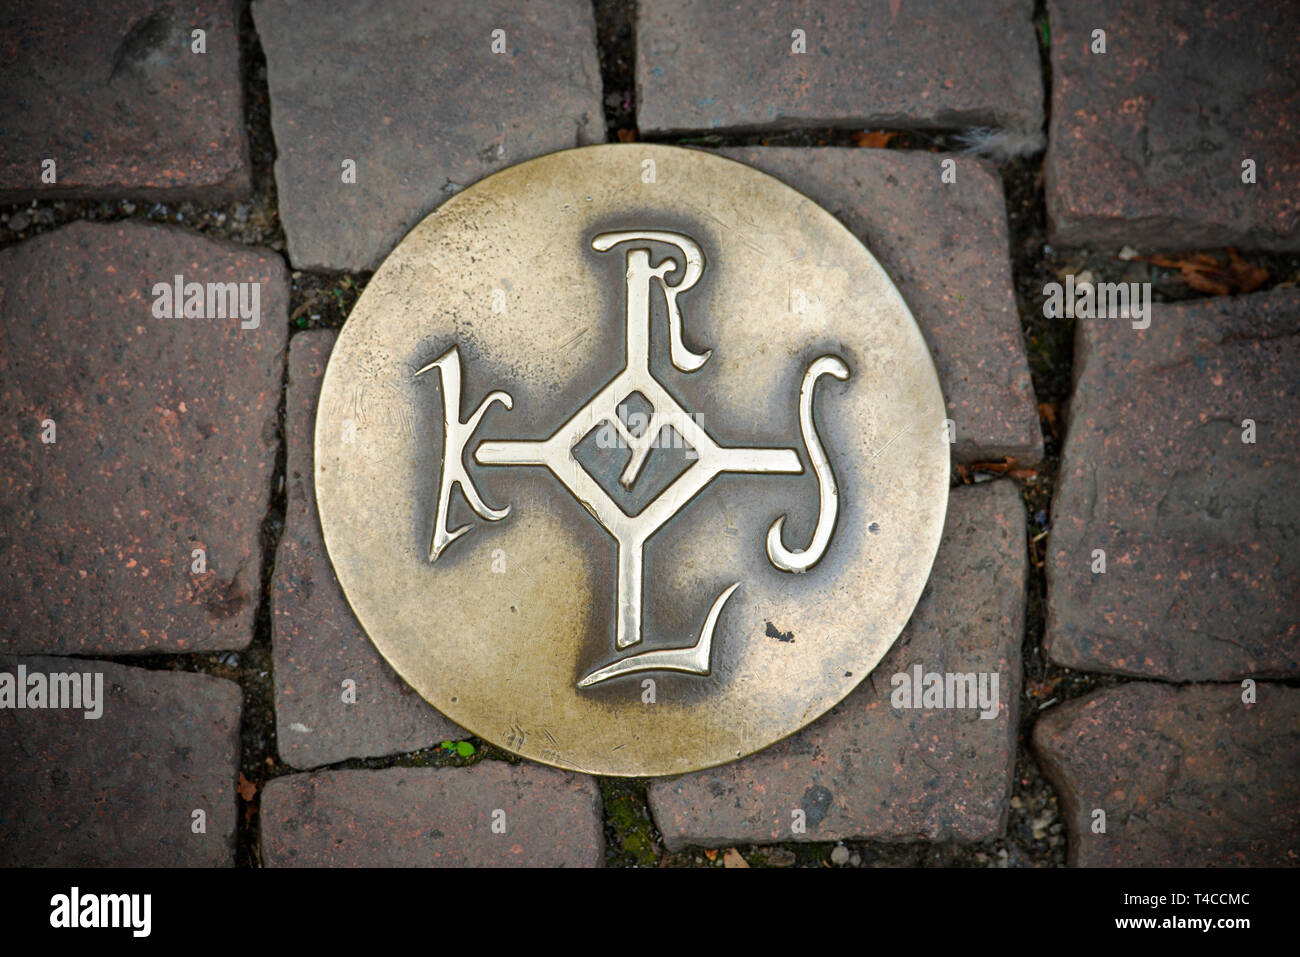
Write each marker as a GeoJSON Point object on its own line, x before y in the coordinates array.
{"type": "Point", "coordinates": [898, 435]}
{"type": "Point", "coordinates": [572, 341]}
{"type": "Point", "coordinates": [571, 764]}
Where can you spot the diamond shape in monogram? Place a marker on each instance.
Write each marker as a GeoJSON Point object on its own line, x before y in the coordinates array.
{"type": "Point", "coordinates": [607, 454]}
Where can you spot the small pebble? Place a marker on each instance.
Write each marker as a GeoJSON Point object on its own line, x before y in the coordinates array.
{"type": "Point", "coordinates": [19, 221]}
{"type": "Point", "coordinates": [1039, 824]}
{"type": "Point", "coordinates": [779, 857]}
{"type": "Point", "coordinates": [840, 855]}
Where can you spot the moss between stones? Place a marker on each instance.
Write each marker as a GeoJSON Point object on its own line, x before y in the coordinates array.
{"type": "Point", "coordinates": [630, 836]}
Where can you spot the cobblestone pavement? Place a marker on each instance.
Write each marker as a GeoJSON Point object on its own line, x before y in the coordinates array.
{"type": "Point", "coordinates": [1120, 554]}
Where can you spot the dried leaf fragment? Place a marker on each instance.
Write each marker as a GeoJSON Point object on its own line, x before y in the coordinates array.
{"type": "Point", "coordinates": [873, 139]}
{"type": "Point", "coordinates": [731, 858]}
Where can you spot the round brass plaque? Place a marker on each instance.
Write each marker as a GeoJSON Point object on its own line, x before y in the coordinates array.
{"type": "Point", "coordinates": [631, 460]}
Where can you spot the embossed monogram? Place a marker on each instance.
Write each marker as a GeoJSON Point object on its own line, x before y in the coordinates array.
{"type": "Point", "coordinates": [631, 532]}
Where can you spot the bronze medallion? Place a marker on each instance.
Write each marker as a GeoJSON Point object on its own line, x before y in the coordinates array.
{"type": "Point", "coordinates": [631, 460]}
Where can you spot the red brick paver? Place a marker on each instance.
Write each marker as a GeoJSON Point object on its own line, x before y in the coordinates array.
{"type": "Point", "coordinates": [913, 64]}
{"type": "Point", "coordinates": [122, 789]}
{"type": "Point", "coordinates": [1177, 777]}
{"type": "Point", "coordinates": [1197, 528]}
{"type": "Point", "coordinates": [131, 441]}
{"type": "Point", "coordinates": [115, 95]}
{"type": "Point", "coordinates": [1147, 140]}
{"type": "Point", "coordinates": [488, 815]}
{"type": "Point", "coordinates": [412, 92]}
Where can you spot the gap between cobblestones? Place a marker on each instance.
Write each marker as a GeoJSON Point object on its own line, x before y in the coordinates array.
{"type": "Point", "coordinates": [323, 300]}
